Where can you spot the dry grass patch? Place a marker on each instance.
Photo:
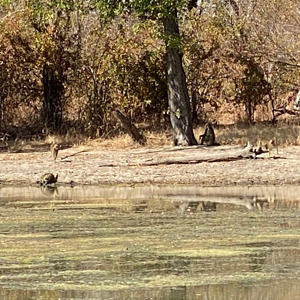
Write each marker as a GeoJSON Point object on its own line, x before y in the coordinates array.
{"type": "Point", "coordinates": [236, 134]}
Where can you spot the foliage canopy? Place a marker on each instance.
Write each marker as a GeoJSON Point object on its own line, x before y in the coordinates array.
{"type": "Point", "coordinates": [110, 54]}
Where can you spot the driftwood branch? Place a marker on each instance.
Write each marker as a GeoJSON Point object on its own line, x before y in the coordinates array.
{"type": "Point", "coordinates": [67, 156]}
{"type": "Point", "coordinates": [130, 128]}
{"type": "Point", "coordinates": [212, 157]}
{"type": "Point", "coordinates": [282, 111]}
{"type": "Point", "coordinates": [230, 155]}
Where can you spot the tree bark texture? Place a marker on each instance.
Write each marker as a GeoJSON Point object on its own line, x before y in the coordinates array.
{"type": "Point", "coordinates": [53, 93]}
{"type": "Point", "coordinates": [178, 98]}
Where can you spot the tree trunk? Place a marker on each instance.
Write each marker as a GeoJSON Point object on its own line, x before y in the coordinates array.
{"type": "Point", "coordinates": [1, 112]}
{"type": "Point", "coordinates": [179, 103]}
{"type": "Point", "coordinates": [52, 104]}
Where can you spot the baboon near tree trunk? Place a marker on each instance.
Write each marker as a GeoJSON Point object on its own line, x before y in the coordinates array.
{"type": "Point", "coordinates": [209, 136]}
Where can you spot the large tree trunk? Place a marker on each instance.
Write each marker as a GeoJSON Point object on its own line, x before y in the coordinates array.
{"type": "Point", "coordinates": [178, 97]}
{"type": "Point", "coordinates": [53, 93]}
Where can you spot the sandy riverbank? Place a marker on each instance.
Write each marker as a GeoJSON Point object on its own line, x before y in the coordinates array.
{"type": "Point", "coordinates": [95, 166]}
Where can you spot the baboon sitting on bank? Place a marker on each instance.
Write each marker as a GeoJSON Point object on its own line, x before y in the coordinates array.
{"type": "Point", "coordinates": [209, 137]}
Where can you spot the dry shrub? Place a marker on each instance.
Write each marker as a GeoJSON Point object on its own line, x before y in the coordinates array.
{"type": "Point", "coordinates": [236, 134]}
{"type": "Point", "coordinates": [240, 134]}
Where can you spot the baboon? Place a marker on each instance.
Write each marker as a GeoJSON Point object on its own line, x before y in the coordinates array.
{"type": "Point", "coordinates": [48, 178]}
{"type": "Point", "coordinates": [208, 137]}
{"type": "Point", "coordinates": [269, 145]}
{"type": "Point", "coordinates": [4, 138]}
{"type": "Point", "coordinates": [54, 150]}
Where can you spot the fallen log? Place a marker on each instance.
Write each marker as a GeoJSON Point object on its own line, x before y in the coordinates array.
{"type": "Point", "coordinates": [211, 157]}
{"type": "Point", "coordinates": [230, 155]}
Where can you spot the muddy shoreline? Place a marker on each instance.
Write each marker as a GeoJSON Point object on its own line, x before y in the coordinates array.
{"type": "Point", "coordinates": [96, 166]}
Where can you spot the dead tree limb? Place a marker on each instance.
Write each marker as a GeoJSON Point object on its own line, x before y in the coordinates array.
{"type": "Point", "coordinates": [130, 128]}
{"type": "Point", "coordinates": [67, 156]}
{"type": "Point", "coordinates": [212, 157]}
{"type": "Point", "coordinates": [230, 155]}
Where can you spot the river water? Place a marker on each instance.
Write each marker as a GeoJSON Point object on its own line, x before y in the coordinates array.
{"type": "Point", "coordinates": [150, 242]}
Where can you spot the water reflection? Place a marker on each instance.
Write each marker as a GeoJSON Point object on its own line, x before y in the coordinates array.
{"type": "Point", "coordinates": [143, 198]}
{"type": "Point", "coordinates": [196, 206]}
{"type": "Point", "coordinates": [267, 290]}
{"type": "Point", "coordinates": [149, 242]}
{"type": "Point", "coordinates": [48, 191]}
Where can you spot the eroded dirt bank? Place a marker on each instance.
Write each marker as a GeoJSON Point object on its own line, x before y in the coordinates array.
{"type": "Point", "coordinates": [125, 166]}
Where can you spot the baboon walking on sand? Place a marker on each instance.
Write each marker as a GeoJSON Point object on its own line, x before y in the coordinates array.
{"type": "Point", "coordinates": [54, 148]}
{"type": "Point", "coordinates": [264, 144]}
